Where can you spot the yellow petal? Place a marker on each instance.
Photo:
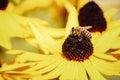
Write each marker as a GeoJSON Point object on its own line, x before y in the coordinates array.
{"type": "Point", "coordinates": [108, 68]}
{"type": "Point", "coordinates": [113, 25]}
{"type": "Point", "coordinates": [82, 72]}
{"type": "Point", "coordinates": [14, 52]}
{"type": "Point", "coordinates": [38, 66]}
{"type": "Point", "coordinates": [47, 68]}
{"type": "Point", "coordinates": [53, 74]}
{"type": "Point", "coordinates": [7, 77]}
{"type": "Point", "coordinates": [22, 8]}
{"type": "Point", "coordinates": [76, 72]}
{"type": "Point", "coordinates": [46, 41]}
{"type": "Point", "coordinates": [72, 17]}
{"type": "Point", "coordinates": [19, 75]}
{"type": "Point", "coordinates": [32, 41]}
{"type": "Point", "coordinates": [30, 57]}
{"type": "Point", "coordinates": [16, 72]}
{"type": "Point", "coordinates": [44, 65]}
{"type": "Point", "coordinates": [68, 73]}
{"type": "Point", "coordinates": [109, 14]}
{"type": "Point", "coordinates": [95, 38]}
{"type": "Point", "coordinates": [105, 41]}
{"type": "Point", "coordinates": [116, 43]}
{"type": "Point", "coordinates": [15, 66]}
{"type": "Point", "coordinates": [115, 52]}
{"type": "Point", "coordinates": [60, 41]}
{"type": "Point", "coordinates": [92, 72]}
{"type": "Point", "coordinates": [10, 27]}
{"type": "Point", "coordinates": [81, 3]}
{"type": "Point", "coordinates": [1, 78]}
{"type": "Point", "coordinates": [53, 32]}
{"type": "Point", "coordinates": [105, 56]}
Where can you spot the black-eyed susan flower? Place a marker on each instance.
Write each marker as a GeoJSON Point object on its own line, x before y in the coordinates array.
{"type": "Point", "coordinates": [90, 14]}
{"type": "Point", "coordinates": [76, 58]}
{"type": "Point", "coordinates": [90, 61]}
{"type": "Point", "coordinates": [76, 61]}
{"type": "Point", "coordinates": [109, 27]}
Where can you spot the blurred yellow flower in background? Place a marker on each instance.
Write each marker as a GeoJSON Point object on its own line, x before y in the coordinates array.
{"type": "Point", "coordinates": [11, 26]}
{"type": "Point", "coordinates": [111, 24]}
{"type": "Point", "coordinates": [49, 10]}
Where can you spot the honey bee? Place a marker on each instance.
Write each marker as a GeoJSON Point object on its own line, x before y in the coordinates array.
{"type": "Point", "coordinates": [82, 31]}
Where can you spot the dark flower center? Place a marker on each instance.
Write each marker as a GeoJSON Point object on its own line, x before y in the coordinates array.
{"type": "Point", "coordinates": [3, 4]}
{"type": "Point", "coordinates": [77, 46]}
{"type": "Point", "coordinates": [92, 15]}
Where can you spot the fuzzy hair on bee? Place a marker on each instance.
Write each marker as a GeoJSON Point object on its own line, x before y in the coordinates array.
{"type": "Point", "coordinates": [81, 31]}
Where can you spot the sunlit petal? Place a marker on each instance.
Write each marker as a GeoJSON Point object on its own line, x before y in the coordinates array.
{"type": "Point", "coordinates": [109, 68]}
{"type": "Point", "coordinates": [109, 14]}
{"type": "Point", "coordinates": [15, 66]}
{"type": "Point", "coordinates": [82, 72]}
{"type": "Point", "coordinates": [72, 20]}
{"type": "Point", "coordinates": [93, 73]}
{"type": "Point", "coordinates": [54, 32]}
{"type": "Point", "coordinates": [43, 41]}
{"type": "Point", "coordinates": [54, 73]}
{"type": "Point", "coordinates": [22, 8]}
{"type": "Point", "coordinates": [81, 3]}
{"type": "Point", "coordinates": [11, 26]}
{"type": "Point", "coordinates": [113, 24]}
{"type": "Point", "coordinates": [68, 70]}
{"type": "Point", "coordinates": [106, 57]}
{"type": "Point", "coordinates": [109, 37]}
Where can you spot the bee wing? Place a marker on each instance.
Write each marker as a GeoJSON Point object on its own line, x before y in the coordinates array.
{"type": "Point", "coordinates": [84, 27]}
{"type": "Point", "coordinates": [87, 27]}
